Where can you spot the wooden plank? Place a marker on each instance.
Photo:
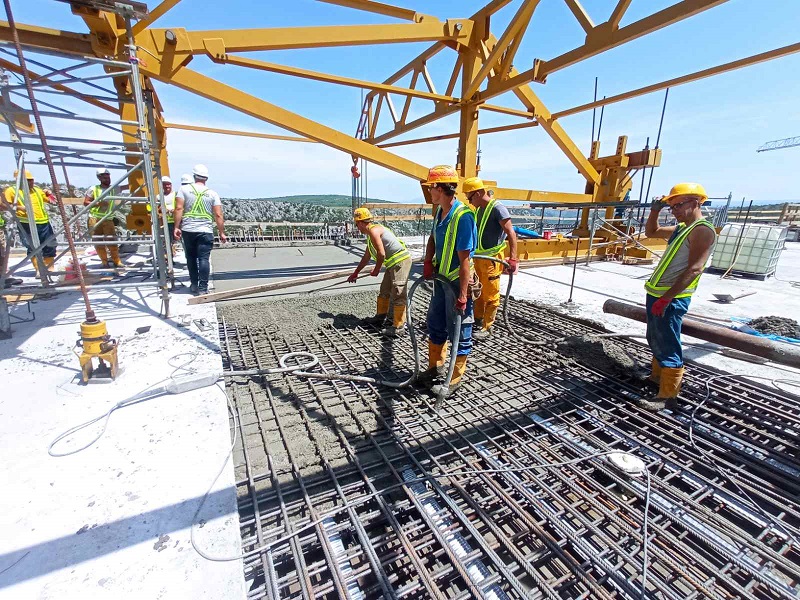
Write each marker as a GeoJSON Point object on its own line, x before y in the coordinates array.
{"type": "Point", "coordinates": [268, 287]}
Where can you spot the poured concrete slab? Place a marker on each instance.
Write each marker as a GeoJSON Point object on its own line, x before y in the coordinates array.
{"type": "Point", "coordinates": [113, 521]}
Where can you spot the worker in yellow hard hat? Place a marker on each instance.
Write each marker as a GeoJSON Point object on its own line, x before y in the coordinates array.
{"type": "Point", "coordinates": [388, 252]}
{"type": "Point", "coordinates": [15, 200]}
{"type": "Point", "coordinates": [495, 234]}
{"type": "Point", "coordinates": [101, 217]}
{"type": "Point", "coordinates": [448, 254]}
{"type": "Point", "coordinates": [670, 287]}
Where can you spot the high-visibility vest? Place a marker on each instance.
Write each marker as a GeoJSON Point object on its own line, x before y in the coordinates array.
{"type": "Point", "coordinates": [169, 204]}
{"type": "Point", "coordinates": [395, 258]}
{"type": "Point", "coordinates": [38, 200]}
{"type": "Point", "coordinates": [106, 207]}
{"type": "Point", "coordinates": [449, 248]}
{"type": "Point", "coordinates": [487, 212]}
{"type": "Point", "coordinates": [198, 210]}
{"type": "Point", "coordinates": [653, 285]}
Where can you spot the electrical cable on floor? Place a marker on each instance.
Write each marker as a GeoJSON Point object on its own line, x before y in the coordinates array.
{"type": "Point", "coordinates": [713, 463]}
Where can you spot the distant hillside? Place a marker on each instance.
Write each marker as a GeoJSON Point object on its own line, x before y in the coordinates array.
{"type": "Point", "coordinates": [329, 201]}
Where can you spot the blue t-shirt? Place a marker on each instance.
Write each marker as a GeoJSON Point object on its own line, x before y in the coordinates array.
{"type": "Point", "coordinates": [466, 236]}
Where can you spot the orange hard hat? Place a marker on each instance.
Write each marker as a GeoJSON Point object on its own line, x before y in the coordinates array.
{"type": "Point", "coordinates": [441, 174]}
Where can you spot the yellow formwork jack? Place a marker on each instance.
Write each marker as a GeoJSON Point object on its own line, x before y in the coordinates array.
{"type": "Point", "coordinates": [96, 343]}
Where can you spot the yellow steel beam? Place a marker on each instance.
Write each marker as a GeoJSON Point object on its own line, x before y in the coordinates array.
{"type": "Point", "coordinates": [10, 66]}
{"type": "Point", "coordinates": [516, 27]}
{"type": "Point", "coordinates": [580, 13]}
{"type": "Point", "coordinates": [292, 38]}
{"type": "Point", "coordinates": [451, 136]}
{"type": "Point", "coordinates": [724, 68]}
{"type": "Point", "coordinates": [328, 78]}
{"type": "Point", "coordinates": [232, 97]}
{"type": "Point", "coordinates": [31, 36]}
{"type": "Point", "coordinates": [618, 13]}
{"type": "Point", "coordinates": [18, 118]}
{"type": "Point", "coordinates": [153, 15]}
{"type": "Point", "coordinates": [541, 196]}
{"type": "Point", "coordinates": [253, 134]}
{"type": "Point", "coordinates": [603, 37]}
{"type": "Point", "coordinates": [507, 111]}
{"type": "Point", "coordinates": [381, 9]}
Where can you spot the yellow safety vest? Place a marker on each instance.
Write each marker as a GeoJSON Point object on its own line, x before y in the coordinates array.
{"type": "Point", "coordinates": [487, 212]}
{"type": "Point", "coordinates": [653, 285]}
{"type": "Point", "coordinates": [198, 210]}
{"type": "Point", "coordinates": [395, 258]}
{"type": "Point", "coordinates": [38, 200]}
{"type": "Point", "coordinates": [106, 207]}
{"type": "Point", "coordinates": [170, 218]}
{"type": "Point", "coordinates": [449, 249]}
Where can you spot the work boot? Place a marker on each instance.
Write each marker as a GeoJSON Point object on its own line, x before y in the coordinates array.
{"type": "Point", "coordinates": [393, 331]}
{"type": "Point", "coordinates": [668, 389]}
{"type": "Point", "coordinates": [655, 373]}
{"type": "Point", "coordinates": [482, 334]}
{"type": "Point", "coordinates": [102, 254]}
{"type": "Point", "coordinates": [193, 289]}
{"type": "Point", "coordinates": [436, 367]}
{"type": "Point", "coordinates": [381, 313]}
{"type": "Point", "coordinates": [49, 262]}
{"type": "Point", "coordinates": [455, 381]}
{"type": "Point", "coordinates": [478, 323]}
{"type": "Point", "coordinates": [13, 281]}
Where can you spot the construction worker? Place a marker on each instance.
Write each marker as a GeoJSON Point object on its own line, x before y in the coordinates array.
{"type": "Point", "coordinates": [448, 254]}
{"type": "Point", "coordinates": [389, 252]}
{"type": "Point", "coordinates": [169, 205]}
{"type": "Point", "coordinates": [101, 218]}
{"type": "Point", "coordinates": [15, 200]}
{"type": "Point", "coordinates": [495, 233]}
{"type": "Point", "coordinates": [670, 287]}
{"type": "Point", "coordinates": [197, 207]}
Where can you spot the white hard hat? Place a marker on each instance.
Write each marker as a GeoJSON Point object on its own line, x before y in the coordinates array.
{"type": "Point", "coordinates": [186, 178]}
{"type": "Point", "coordinates": [166, 179]}
{"type": "Point", "coordinates": [200, 171]}
{"type": "Point", "coordinates": [102, 171]}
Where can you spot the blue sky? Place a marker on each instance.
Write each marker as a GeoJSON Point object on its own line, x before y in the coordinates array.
{"type": "Point", "coordinates": [711, 131]}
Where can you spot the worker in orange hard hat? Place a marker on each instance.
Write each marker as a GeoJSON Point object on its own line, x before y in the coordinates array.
{"type": "Point", "coordinates": [15, 200]}
{"type": "Point", "coordinates": [449, 255]}
{"type": "Point", "coordinates": [388, 252]}
{"type": "Point", "coordinates": [495, 234]}
{"type": "Point", "coordinates": [670, 287]}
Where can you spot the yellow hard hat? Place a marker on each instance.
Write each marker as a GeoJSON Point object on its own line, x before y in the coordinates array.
{"type": "Point", "coordinates": [362, 214]}
{"type": "Point", "coordinates": [28, 174]}
{"type": "Point", "coordinates": [685, 189]}
{"type": "Point", "coordinates": [472, 184]}
{"type": "Point", "coordinates": [441, 174]}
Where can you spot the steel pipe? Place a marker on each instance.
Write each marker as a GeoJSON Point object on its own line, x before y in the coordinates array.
{"type": "Point", "coordinates": [784, 354]}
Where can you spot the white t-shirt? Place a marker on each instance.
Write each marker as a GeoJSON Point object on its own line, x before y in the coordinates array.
{"type": "Point", "coordinates": [209, 198]}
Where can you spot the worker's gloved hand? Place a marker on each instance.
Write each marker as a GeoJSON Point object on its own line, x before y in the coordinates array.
{"type": "Point", "coordinates": [461, 304]}
{"type": "Point", "coordinates": [427, 269]}
{"type": "Point", "coordinates": [658, 205]}
{"type": "Point", "coordinates": [513, 266]}
{"type": "Point", "coordinates": [659, 306]}
{"type": "Point", "coordinates": [353, 277]}
{"type": "Point", "coordinates": [375, 271]}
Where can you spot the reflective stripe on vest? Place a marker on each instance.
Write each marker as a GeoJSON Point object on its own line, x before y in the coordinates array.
{"type": "Point", "coordinates": [97, 211]}
{"type": "Point", "coordinates": [487, 212]}
{"type": "Point", "coordinates": [449, 249]}
{"type": "Point", "coordinates": [392, 260]}
{"type": "Point", "coordinates": [37, 204]}
{"type": "Point", "coordinates": [199, 210]}
{"type": "Point", "coordinates": [652, 285]}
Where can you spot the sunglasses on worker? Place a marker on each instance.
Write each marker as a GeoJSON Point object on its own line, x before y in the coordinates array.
{"type": "Point", "coordinates": [685, 202]}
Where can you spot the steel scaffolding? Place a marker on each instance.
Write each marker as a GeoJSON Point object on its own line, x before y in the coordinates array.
{"type": "Point", "coordinates": [124, 146]}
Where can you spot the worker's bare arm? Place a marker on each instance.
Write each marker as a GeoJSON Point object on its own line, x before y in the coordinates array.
{"type": "Point", "coordinates": [700, 241]}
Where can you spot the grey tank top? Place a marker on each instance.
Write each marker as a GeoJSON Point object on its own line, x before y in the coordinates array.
{"type": "Point", "coordinates": [391, 245]}
{"type": "Point", "coordinates": [679, 262]}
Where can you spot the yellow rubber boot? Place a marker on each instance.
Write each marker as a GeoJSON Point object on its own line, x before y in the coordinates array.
{"type": "Point", "coordinates": [455, 381]}
{"type": "Point", "coordinates": [49, 262]}
{"type": "Point", "coordinates": [668, 389]}
{"type": "Point", "coordinates": [102, 254]}
{"type": "Point", "coordinates": [114, 251]}
{"type": "Point", "coordinates": [655, 372]}
{"type": "Point", "coordinates": [399, 316]}
{"type": "Point", "coordinates": [435, 363]}
{"type": "Point", "coordinates": [380, 313]}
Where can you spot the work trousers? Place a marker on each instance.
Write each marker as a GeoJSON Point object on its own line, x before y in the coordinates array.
{"type": "Point", "coordinates": [442, 315]}
{"type": "Point", "coordinates": [394, 285]}
{"type": "Point", "coordinates": [45, 231]}
{"type": "Point", "coordinates": [197, 245]}
{"type": "Point", "coordinates": [489, 275]}
{"type": "Point", "coordinates": [106, 229]}
{"type": "Point", "coordinates": [664, 333]}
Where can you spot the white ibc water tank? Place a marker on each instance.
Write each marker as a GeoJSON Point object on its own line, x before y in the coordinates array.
{"type": "Point", "coordinates": [755, 251]}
